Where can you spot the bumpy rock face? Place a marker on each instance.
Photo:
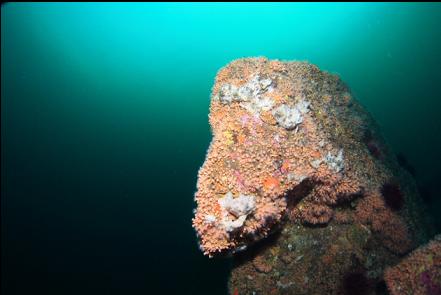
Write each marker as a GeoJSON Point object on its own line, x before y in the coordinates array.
{"type": "Point", "coordinates": [419, 273]}
{"type": "Point", "coordinates": [292, 151]}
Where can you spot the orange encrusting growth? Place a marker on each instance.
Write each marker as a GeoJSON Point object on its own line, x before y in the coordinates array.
{"type": "Point", "coordinates": [289, 155]}
{"type": "Point", "coordinates": [419, 273]}
{"type": "Point", "coordinates": [372, 210]}
{"type": "Point", "coordinates": [271, 183]}
{"type": "Point", "coordinates": [253, 153]}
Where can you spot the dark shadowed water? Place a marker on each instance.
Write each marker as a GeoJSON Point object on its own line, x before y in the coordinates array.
{"type": "Point", "coordinates": [104, 126]}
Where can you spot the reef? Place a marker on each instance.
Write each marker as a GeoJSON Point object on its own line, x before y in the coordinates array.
{"type": "Point", "coordinates": [419, 273]}
{"type": "Point", "coordinates": [297, 178]}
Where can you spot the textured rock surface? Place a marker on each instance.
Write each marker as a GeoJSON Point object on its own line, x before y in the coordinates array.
{"type": "Point", "coordinates": [294, 154]}
{"type": "Point", "coordinates": [420, 273]}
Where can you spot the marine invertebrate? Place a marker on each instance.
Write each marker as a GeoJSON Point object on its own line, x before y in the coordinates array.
{"type": "Point", "coordinates": [394, 233]}
{"type": "Point", "coordinates": [419, 273]}
{"type": "Point", "coordinates": [392, 229]}
{"type": "Point", "coordinates": [332, 190]}
{"type": "Point", "coordinates": [356, 282]}
{"type": "Point", "coordinates": [316, 214]}
{"type": "Point", "coordinates": [392, 195]}
{"type": "Point", "coordinates": [250, 95]}
{"type": "Point", "coordinates": [261, 265]}
{"type": "Point", "coordinates": [343, 217]}
{"type": "Point", "coordinates": [289, 117]}
{"type": "Point", "coordinates": [235, 210]}
{"type": "Point", "coordinates": [335, 162]}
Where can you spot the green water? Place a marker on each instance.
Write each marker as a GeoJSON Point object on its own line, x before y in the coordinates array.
{"type": "Point", "coordinates": [104, 125]}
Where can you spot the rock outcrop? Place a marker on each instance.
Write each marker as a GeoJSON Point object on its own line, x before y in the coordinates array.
{"type": "Point", "coordinates": [294, 154]}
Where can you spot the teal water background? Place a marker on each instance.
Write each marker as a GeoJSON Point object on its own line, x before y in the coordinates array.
{"type": "Point", "coordinates": [104, 125]}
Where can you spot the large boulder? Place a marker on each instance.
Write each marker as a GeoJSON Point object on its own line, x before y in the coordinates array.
{"type": "Point", "coordinates": [298, 166]}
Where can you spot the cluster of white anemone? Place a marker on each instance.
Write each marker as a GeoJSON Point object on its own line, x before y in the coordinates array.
{"type": "Point", "coordinates": [251, 97]}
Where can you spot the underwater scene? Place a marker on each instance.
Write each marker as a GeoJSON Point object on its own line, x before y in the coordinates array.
{"type": "Point", "coordinates": [221, 148]}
